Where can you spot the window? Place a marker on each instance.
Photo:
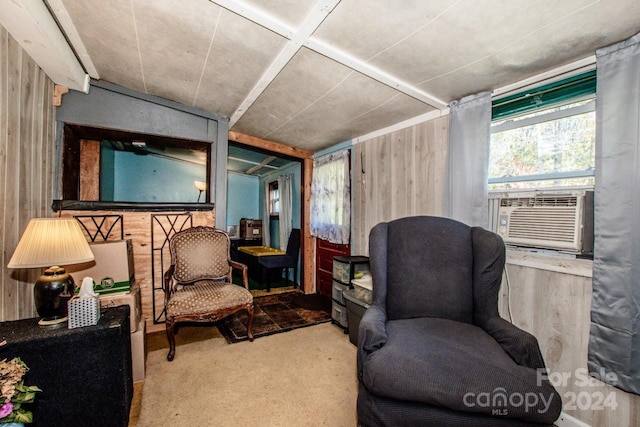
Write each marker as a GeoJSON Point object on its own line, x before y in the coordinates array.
{"type": "Point", "coordinates": [547, 142]}
{"type": "Point", "coordinates": [542, 167]}
{"type": "Point", "coordinates": [331, 198]}
{"type": "Point", "coordinates": [274, 199]}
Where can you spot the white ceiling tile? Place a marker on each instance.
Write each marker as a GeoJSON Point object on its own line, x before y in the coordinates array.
{"type": "Point", "coordinates": [468, 32]}
{"type": "Point", "coordinates": [526, 56]}
{"type": "Point", "coordinates": [174, 41]}
{"type": "Point", "coordinates": [304, 81]}
{"type": "Point", "coordinates": [289, 12]}
{"type": "Point", "coordinates": [239, 55]}
{"type": "Point", "coordinates": [365, 28]}
{"type": "Point", "coordinates": [444, 50]}
{"type": "Point", "coordinates": [108, 32]}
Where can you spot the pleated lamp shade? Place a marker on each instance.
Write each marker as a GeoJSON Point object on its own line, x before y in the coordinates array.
{"type": "Point", "coordinates": [51, 241]}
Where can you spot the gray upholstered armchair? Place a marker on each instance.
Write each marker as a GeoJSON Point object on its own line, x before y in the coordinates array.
{"type": "Point", "coordinates": [432, 349]}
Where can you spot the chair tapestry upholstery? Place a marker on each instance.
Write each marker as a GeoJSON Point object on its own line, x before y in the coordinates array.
{"type": "Point", "coordinates": [198, 286]}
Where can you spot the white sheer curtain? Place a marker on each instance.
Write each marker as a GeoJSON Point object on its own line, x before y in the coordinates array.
{"type": "Point", "coordinates": [614, 342]}
{"type": "Point", "coordinates": [266, 217]}
{"type": "Point", "coordinates": [284, 187]}
{"type": "Point", "coordinates": [331, 198]}
{"type": "Point", "coordinates": [466, 193]}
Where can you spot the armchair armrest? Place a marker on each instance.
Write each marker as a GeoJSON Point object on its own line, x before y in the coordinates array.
{"type": "Point", "coordinates": [245, 272]}
{"type": "Point", "coordinates": [520, 345]}
{"type": "Point", "coordinates": [373, 330]}
{"type": "Point", "coordinates": [372, 333]}
{"type": "Point", "coordinates": [168, 277]}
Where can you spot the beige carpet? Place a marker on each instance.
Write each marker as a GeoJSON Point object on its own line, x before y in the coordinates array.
{"type": "Point", "coordinates": [305, 377]}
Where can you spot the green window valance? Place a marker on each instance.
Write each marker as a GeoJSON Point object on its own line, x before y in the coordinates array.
{"type": "Point", "coordinates": [543, 96]}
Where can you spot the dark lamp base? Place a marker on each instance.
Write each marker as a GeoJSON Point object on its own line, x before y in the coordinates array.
{"type": "Point", "coordinates": [51, 293]}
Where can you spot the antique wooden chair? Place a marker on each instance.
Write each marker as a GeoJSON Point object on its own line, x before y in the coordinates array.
{"type": "Point", "coordinates": [198, 285]}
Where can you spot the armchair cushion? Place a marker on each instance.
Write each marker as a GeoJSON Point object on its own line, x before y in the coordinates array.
{"type": "Point", "coordinates": [458, 366]}
{"type": "Point", "coordinates": [200, 256]}
{"type": "Point", "coordinates": [206, 296]}
{"type": "Point", "coordinates": [427, 275]}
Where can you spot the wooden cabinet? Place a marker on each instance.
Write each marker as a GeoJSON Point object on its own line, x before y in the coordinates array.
{"type": "Point", "coordinates": [325, 251]}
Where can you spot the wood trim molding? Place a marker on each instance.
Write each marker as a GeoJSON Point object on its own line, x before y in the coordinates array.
{"type": "Point", "coordinates": [265, 144]}
{"type": "Point", "coordinates": [308, 244]}
{"type": "Point", "coordinates": [58, 91]}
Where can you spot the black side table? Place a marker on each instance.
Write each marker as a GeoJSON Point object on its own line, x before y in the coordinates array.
{"type": "Point", "coordinates": [84, 373]}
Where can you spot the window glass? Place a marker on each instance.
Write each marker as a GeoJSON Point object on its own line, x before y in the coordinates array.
{"type": "Point", "coordinates": [274, 199]}
{"type": "Point", "coordinates": [549, 148]}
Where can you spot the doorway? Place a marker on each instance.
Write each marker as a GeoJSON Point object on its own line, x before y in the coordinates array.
{"type": "Point", "coordinates": [251, 174]}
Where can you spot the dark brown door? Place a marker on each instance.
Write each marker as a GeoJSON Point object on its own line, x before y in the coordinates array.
{"type": "Point", "coordinates": [325, 251]}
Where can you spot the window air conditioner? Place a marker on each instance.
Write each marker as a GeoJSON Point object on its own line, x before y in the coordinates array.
{"type": "Point", "coordinates": [559, 221]}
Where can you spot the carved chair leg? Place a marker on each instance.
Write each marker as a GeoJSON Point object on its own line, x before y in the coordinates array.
{"type": "Point", "coordinates": [250, 322]}
{"type": "Point", "coordinates": [172, 340]}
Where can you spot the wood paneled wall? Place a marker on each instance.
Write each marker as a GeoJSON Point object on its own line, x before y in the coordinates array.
{"type": "Point", "coordinates": [27, 166]}
{"type": "Point", "coordinates": [138, 227]}
{"type": "Point", "coordinates": [396, 175]}
{"type": "Point", "coordinates": [556, 307]}
{"type": "Point", "coordinates": [402, 174]}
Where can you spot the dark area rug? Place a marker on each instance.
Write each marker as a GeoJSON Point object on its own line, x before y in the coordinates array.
{"type": "Point", "coordinates": [278, 313]}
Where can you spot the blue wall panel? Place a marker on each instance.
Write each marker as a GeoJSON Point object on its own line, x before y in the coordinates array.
{"type": "Point", "coordinates": [243, 198]}
{"type": "Point", "coordinates": [155, 179]}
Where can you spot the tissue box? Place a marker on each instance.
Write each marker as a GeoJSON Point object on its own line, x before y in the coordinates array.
{"type": "Point", "coordinates": [83, 312]}
{"type": "Point", "coordinates": [112, 270]}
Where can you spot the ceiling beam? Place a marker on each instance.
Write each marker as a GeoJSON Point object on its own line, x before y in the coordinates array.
{"type": "Point", "coordinates": [70, 31]}
{"type": "Point", "coordinates": [31, 24]}
{"type": "Point", "coordinates": [265, 144]}
{"type": "Point", "coordinates": [373, 72]}
{"type": "Point", "coordinates": [303, 36]}
{"type": "Point", "coordinates": [321, 10]}
{"type": "Point", "coordinates": [262, 164]}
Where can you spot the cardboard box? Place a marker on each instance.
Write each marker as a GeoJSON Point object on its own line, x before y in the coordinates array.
{"type": "Point", "coordinates": [112, 270]}
{"type": "Point", "coordinates": [139, 351]}
{"type": "Point", "coordinates": [250, 228]}
{"type": "Point", "coordinates": [132, 298]}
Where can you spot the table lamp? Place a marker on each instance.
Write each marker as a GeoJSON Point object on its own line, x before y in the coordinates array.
{"type": "Point", "coordinates": [52, 242]}
{"type": "Point", "coordinates": [201, 186]}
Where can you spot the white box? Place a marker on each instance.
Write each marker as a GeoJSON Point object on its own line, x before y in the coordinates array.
{"type": "Point", "coordinates": [139, 351]}
{"type": "Point", "coordinates": [132, 298]}
{"type": "Point", "coordinates": [112, 270]}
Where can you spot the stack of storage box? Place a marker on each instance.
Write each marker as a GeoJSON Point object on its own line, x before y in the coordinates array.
{"type": "Point", "coordinates": [358, 300]}
{"type": "Point", "coordinates": [345, 269]}
{"type": "Point", "coordinates": [114, 277]}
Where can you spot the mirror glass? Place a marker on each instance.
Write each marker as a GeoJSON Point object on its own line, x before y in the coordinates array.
{"type": "Point", "coordinates": [114, 166]}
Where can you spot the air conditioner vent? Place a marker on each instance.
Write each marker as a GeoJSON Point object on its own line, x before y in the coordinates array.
{"type": "Point", "coordinates": [549, 221]}
{"type": "Point", "coordinates": [543, 223]}
{"type": "Point", "coordinates": [540, 201]}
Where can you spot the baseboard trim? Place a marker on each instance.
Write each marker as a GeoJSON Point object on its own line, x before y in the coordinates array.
{"type": "Point", "coordinates": [566, 420]}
